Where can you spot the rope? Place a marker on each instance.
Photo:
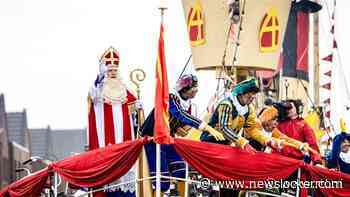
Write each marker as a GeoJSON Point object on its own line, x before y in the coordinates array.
{"type": "Point", "coordinates": [223, 63]}
{"type": "Point", "coordinates": [238, 35]}
{"type": "Point", "coordinates": [337, 52]}
{"type": "Point", "coordinates": [337, 49]}
{"type": "Point", "coordinates": [184, 68]}
{"type": "Point", "coordinates": [223, 58]}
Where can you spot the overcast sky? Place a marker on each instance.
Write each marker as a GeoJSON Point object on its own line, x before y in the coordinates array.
{"type": "Point", "coordinates": [49, 51]}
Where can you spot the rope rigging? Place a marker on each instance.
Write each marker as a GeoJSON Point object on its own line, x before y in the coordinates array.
{"type": "Point", "coordinates": [234, 18]}
{"type": "Point", "coordinates": [330, 19]}
{"type": "Point", "coordinates": [184, 68]}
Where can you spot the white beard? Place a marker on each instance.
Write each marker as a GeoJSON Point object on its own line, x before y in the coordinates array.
{"type": "Point", "coordinates": [114, 91]}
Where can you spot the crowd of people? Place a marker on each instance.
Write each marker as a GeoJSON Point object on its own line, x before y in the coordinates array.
{"type": "Point", "coordinates": [277, 128]}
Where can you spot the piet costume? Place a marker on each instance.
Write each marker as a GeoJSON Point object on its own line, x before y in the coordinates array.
{"type": "Point", "coordinates": [236, 121]}
{"type": "Point", "coordinates": [179, 117]}
{"type": "Point", "coordinates": [339, 157]}
{"type": "Point", "coordinates": [270, 113]}
{"type": "Point", "coordinates": [298, 129]}
{"type": "Point", "coordinates": [110, 114]}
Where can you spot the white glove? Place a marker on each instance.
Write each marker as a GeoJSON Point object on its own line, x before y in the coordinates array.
{"type": "Point", "coordinates": [139, 104]}
{"type": "Point", "coordinates": [275, 143]}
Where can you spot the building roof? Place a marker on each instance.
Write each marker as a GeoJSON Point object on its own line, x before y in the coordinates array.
{"type": "Point", "coordinates": [54, 144]}
{"type": "Point", "coordinates": [17, 127]}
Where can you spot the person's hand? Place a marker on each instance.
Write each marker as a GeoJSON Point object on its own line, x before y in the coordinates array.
{"type": "Point", "coordinates": [275, 144]}
{"type": "Point", "coordinates": [247, 147]}
{"type": "Point", "coordinates": [304, 148]}
{"type": "Point", "coordinates": [216, 134]}
{"type": "Point", "coordinates": [182, 132]}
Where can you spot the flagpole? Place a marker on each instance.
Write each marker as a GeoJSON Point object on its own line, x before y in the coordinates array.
{"type": "Point", "coordinates": [158, 170]}
{"type": "Point", "coordinates": [162, 8]}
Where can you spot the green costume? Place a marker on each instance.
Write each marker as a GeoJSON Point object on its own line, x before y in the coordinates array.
{"type": "Point", "coordinates": [235, 120]}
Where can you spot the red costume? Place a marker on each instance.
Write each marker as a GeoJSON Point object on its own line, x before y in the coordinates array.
{"type": "Point", "coordinates": [298, 129]}
{"type": "Point", "coordinates": [110, 116]}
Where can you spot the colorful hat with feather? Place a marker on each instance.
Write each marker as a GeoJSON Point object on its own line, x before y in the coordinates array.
{"type": "Point", "coordinates": [246, 86]}
{"type": "Point", "coordinates": [186, 82]}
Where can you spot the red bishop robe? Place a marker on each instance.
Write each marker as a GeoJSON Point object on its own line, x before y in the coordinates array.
{"type": "Point", "coordinates": [110, 123]}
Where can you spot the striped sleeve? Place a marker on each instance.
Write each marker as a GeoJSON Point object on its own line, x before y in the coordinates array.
{"type": "Point", "coordinates": [182, 115]}
{"type": "Point", "coordinates": [225, 114]}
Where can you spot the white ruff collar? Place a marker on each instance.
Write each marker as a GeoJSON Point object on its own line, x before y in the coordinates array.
{"type": "Point", "coordinates": [345, 157]}
{"type": "Point", "coordinates": [184, 104]}
{"type": "Point", "coordinates": [242, 110]}
{"type": "Point", "coordinates": [114, 91]}
{"type": "Point", "coordinates": [267, 133]}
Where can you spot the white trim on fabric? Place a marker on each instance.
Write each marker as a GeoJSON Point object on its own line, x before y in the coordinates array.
{"type": "Point", "coordinates": [162, 181]}
{"type": "Point", "coordinates": [203, 125]}
{"type": "Point", "coordinates": [118, 122]}
{"type": "Point", "coordinates": [162, 172]}
{"type": "Point", "coordinates": [99, 115]}
{"type": "Point", "coordinates": [176, 162]}
{"type": "Point", "coordinates": [178, 170]}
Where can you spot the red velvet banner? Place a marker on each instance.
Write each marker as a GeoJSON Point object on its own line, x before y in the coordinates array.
{"type": "Point", "coordinates": [217, 162]}
{"type": "Point", "coordinates": [222, 162]}
{"type": "Point", "coordinates": [30, 186]}
{"type": "Point", "coordinates": [101, 166]}
{"type": "Point", "coordinates": [333, 183]}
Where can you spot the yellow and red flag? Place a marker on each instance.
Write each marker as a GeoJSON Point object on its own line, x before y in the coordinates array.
{"type": "Point", "coordinates": [161, 113]}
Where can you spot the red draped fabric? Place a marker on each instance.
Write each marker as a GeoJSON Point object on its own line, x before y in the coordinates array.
{"type": "Point", "coordinates": [339, 182]}
{"type": "Point", "coordinates": [217, 162]}
{"type": "Point", "coordinates": [101, 166]}
{"type": "Point", "coordinates": [222, 162]}
{"type": "Point", "coordinates": [30, 186]}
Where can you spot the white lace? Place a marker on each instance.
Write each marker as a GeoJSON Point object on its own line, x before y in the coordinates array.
{"type": "Point", "coordinates": [242, 110]}
{"type": "Point", "coordinates": [114, 91]}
